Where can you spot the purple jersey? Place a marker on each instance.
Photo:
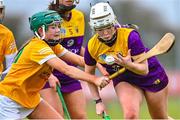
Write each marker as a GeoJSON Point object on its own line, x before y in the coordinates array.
{"type": "Point", "coordinates": [73, 40]}
{"type": "Point", "coordinates": [156, 78]}
{"type": "Point", "coordinates": [74, 45]}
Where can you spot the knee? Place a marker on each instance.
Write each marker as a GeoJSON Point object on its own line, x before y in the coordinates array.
{"type": "Point", "coordinates": [131, 113]}
{"type": "Point", "coordinates": [159, 114]}
{"type": "Point", "coordinates": [81, 115]}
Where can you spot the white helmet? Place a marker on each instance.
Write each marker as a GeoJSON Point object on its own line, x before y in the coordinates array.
{"type": "Point", "coordinates": [102, 15]}
{"type": "Point", "coordinates": [1, 11]}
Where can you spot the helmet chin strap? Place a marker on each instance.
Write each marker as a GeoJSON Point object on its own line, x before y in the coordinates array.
{"type": "Point", "coordinates": [49, 42]}
{"type": "Point", "coordinates": [52, 42]}
{"type": "Point", "coordinates": [44, 35]}
{"type": "Point", "coordinates": [111, 41]}
{"type": "Point", "coordinates": [65, 8]}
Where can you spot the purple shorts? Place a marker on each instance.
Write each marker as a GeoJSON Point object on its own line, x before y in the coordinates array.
{"type": "Point", "coordinates": [67, 87]}
{"type": "Point", "coordinates": [155, 86]}
{"type": "Point", "coordinates": [155, 81]}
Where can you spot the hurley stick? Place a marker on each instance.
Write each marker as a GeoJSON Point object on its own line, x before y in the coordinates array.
{"type": "Point", "coordinates": [63, 102]}
{"type": "Point", "coordinates": [163, 46]}
{"type": "Point", "coordinates": [105, 116]}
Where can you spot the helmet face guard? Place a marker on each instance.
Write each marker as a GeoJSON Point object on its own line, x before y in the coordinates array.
{"type": "Point", "coordinates": [2, 11]}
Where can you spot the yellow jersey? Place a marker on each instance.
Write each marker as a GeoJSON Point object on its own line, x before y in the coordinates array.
{"type": "Point", "coordinates": [7, 44]}
{"type": "Point", "coordinates": [75, 26]}
{"type": "Point", "coordinates": [29, 72]}
{"type": "Point", "coordinates": [96, 48]}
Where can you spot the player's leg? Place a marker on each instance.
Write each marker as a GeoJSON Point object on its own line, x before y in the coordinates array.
{"type": "Point", "coordinates": [10, 109]}
{"type": "Point", "coordinates": [76, 104]}
{"type": "Point", "coordinates": [157, 103]}
{"type": "Point", "coordinates": [74, 98]}
{"type": "Point", "coordinates": [51, 96]}
{"type": "Point", "coordinates": [44, 111]}
{"type": "Point", "coordinates": [130, 98]}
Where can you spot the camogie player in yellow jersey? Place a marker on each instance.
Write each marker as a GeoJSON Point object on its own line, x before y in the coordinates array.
{"type": "Point", "coordinates": [146, 79]}
{"type": "Point", "coordinates": [8, 47]}
{"type": "Point", "coordinates": [19, 91]}
{"type": "Point", "coordinates": [73, 27]}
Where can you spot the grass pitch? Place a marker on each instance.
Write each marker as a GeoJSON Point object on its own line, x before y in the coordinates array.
{"type": "Point", "coordinates": [115, 112]}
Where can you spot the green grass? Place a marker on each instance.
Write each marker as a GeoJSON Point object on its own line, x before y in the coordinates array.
{"type": "Point", "coordinates": [115, 112]}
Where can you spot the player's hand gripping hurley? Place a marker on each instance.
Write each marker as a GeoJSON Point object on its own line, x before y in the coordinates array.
{"type": "Point", "coordinates": [163, 46]}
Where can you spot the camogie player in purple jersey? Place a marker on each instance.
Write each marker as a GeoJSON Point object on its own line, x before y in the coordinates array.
{"type": "Point", "coordinates": [73, 28]}
{"type": "Point", "coordinates": [146, 79]}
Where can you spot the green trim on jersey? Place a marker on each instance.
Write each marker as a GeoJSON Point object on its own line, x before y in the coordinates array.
{"type": "Point", "coordinates": [18, 55]}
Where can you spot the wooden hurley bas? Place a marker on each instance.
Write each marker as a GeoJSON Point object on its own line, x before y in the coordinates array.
{"type": "Point", "coordinates": [163, 46]}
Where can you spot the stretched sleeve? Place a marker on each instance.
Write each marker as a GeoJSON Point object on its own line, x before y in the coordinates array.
{"type": "Point", "coordinates": [135, 43]}
{"type": "Point", "coordinates": [42, 54]}
{"type": "Point", "coordinates": [88, 58]}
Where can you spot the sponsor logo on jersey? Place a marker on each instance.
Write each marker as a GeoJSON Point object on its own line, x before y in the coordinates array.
{"type": "Point", "coordinates": [70, 43]}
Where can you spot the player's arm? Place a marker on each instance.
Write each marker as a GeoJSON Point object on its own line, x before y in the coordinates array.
{"type": "Point", "coordinates": [138, 68]}
{"type": "Point", "coordinates": [100, 107]}
{"type": "Point", "coordinates": [82, 51]}
{"type": "Point", "coordinates": [8, 59]}
{"type": "Point", "coordinates": [102, 69]}
{"type": "Point", "coordinates": [93, 89]}
{"type": "Point", "coordinates": [10, 51]}
{"type": "Point", "coordinates": [73, 58]}
{"type": "Point", "coordinates": [136, 49]}
{"type": "Point", "coordinates": [98, 65]}
{"type": "Point", "coordinates": [76, 73]}
{"type": "Point", "coordinates": [53, 81]}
